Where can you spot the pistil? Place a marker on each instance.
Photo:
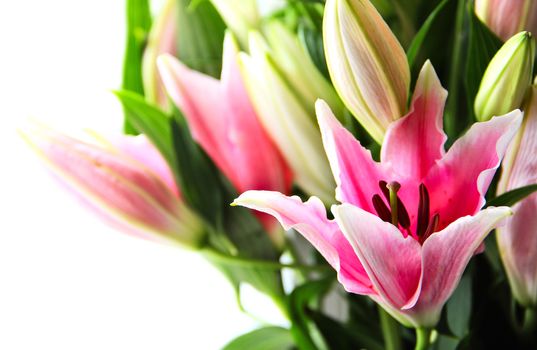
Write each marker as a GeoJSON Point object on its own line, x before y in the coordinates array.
{"type": "Point", "coordinates": [394, 187]}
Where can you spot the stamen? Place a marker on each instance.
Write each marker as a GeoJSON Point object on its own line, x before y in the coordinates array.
{"type": "Point", "coordinates": [382, 210]}
{"type": "Point", "coordinates": [393, 187]}
{"type": "Point", "coordinates": [402, 213]}
{"type": "Point", "coordinates": [383, 185]}
{"type": "Point", "coordinates": [404, 219]}
{"type": "Point", "coordinates": [423, 211]}
{"type": "Point", "coordinates": [433, 225]}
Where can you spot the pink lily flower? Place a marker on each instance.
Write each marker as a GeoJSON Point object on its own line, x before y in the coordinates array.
{"type": "Point", "coordinates": [223, 121]}
{"type": "Point", "coordinates": [409, 224]}
{"type": "Point", "coordinates": [125, 181]}
{"type": "Point", "coordinates": [517, 240]}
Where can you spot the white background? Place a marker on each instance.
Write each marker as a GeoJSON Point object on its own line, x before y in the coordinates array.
{"type": "Point", "coordinates": [66, 280]}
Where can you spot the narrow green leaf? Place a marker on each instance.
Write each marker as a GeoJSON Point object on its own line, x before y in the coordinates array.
{"type": "Point", "coordinates": [148, 120]}
{"type": "Point", "coordinates": [415, 45]}
{"type": "Point", "coordinates": [267, 338]}
{"type": "Point", "coordinates": [200, 36]}
{"type": "Point", "coordinates": [312, 41]}
{"type": "Point", "coordinates": [138, 26]}
{"type": "Point", "coordinates": [482, 46]}
{"type": "Point", "coordinates": [512, 197]}
{"type": "Point", "coordinates": [452, 121]}
{"type": "Point", "coordinates": [195, 173]}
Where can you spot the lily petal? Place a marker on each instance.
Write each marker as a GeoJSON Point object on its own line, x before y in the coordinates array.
{"type": "Point", "coordinates": [120, 189]}
{"type": "Point", "coordinates": [190, 91]}
{"type": "Point", "coordinates": [468, 168]}
{"type": "Point", "coordinates": [286, 120]}
{"type": "Point", "coordinates": [414, 143]}
{"type": "Point", "coordinates": [255, 159]}
{"type": "Point", "coordinates": [517, 240]}
{"type": "Point", "coordinates": [445, 256]}
{"type": "Point", "coordinates": [162, 39]}
{"type": "Point", "coordinates": [356, 173]}
{"type": "Point", "coordinates": [309, 218]}
{"type": "Point", "coordinates": [392, 262]}
{"type": "Point", "coordinates": [223, 121]}
{"type": "Point", "coordinates": [141, 149]}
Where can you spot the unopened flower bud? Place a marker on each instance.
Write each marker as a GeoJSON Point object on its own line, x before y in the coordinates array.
{"type": "Point", "coordinates": [367, 64]}
{"type": "Point", "coordinates": [506, 78]}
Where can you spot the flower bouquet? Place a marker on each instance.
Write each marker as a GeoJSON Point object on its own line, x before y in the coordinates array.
{"type": "Point", "coordinates": [310, 149]}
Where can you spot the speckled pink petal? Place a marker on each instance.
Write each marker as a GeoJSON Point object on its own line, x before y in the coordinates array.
{"type": "Point", "coordinates": [356, 173]}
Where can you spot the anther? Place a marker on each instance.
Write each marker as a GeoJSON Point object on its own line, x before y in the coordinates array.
{"type": "Point", "coordinates": [433, 225]}
{"type": "Point", "coordinates": [382, 210]}
{"type": "Point", "coordinates": [423, 211]}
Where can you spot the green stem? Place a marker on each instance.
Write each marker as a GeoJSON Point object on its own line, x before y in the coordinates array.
{"type": "Point", "coordinates": [530, 321]}
{"type": "Point", "coordinates": [296, 259]}
{"type": "Point", "coordinates": [423, 338]}
{"type": "Point", "coordinates": [390, 331]}
{"type": "Point", "coordinates": [245, 262]}
{"type": "Point", "coordinates": [456, 61]}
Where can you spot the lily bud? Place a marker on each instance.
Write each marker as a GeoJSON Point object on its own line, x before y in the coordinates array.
{"type": "Point", "coordinates": [127, 183]}
{"type": "Point", "coordinates": [508, 17]}
{"type": "Point", "coordinates": [287, 118]}
{"type": "Point", "coordinates": [223, 121]}
{"type": "Point", "coordinates": [241, 16]}
{"type": "Point", "coordinates": [517, 239]}
{"type": "Point", "coordinates": [506, 78]}
{"type": "Point", "coordinates": [299, 69]}
{"type": "Point", "coordinates": [367, 64]}
{"type": "Point", "coordinates": [161, 40]}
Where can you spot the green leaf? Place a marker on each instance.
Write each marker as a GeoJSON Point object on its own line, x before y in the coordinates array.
{"type": "Point", "coordinates": [342, 337]}
{"type": "Point", "coordinates": [459, 307]}
{"type": "Point", "coordinates": [416, 43]}
{"type": "Point", "coordinates": [200, 36]}
{"type": "Point", "coordinates": [267, 338]}
{"type": "Point", "coordinates": [138, 25]}
{"type": "Point", "coordinates": [205, 190]}
{"type": "Point", "coordinates": [304, 297]}
{"type": "Point", "coordinates": [149, 120]}
{"type": "Point", "coordinates": [512, 197]}
{"type": "Point", "coordinates": [482, 46]}
{"type": "Point", "coordinates": [248, 239]}
{"type": "Point", "coordinates": [193, 172]}
{"type": "Point", "coordinates": [445, 342]}
{"type": "Point", "coordinates": [364, 315]}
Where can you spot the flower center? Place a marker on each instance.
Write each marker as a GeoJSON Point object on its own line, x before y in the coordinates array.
{"type": "Point", "coordinates": [396, 213]}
